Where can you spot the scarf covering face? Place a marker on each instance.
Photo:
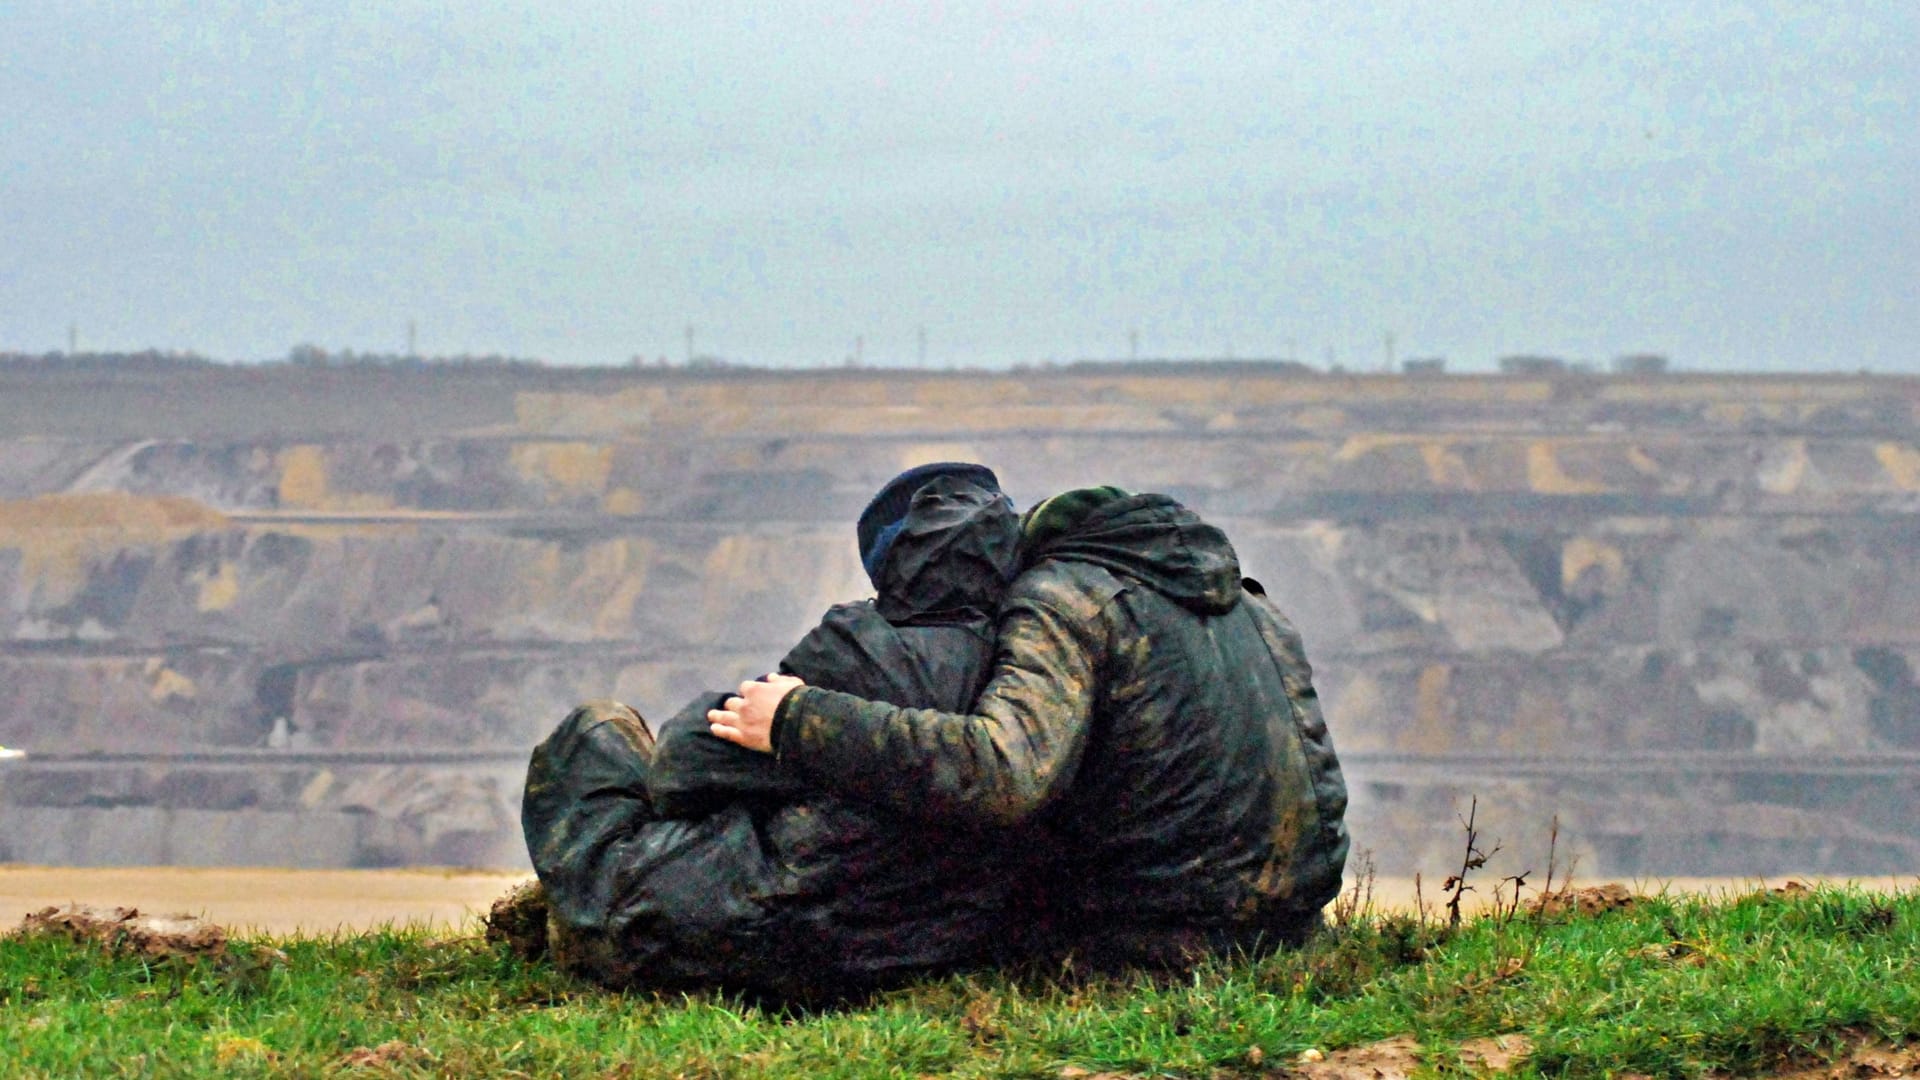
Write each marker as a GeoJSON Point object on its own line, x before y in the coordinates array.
{"type": "Point", "coordinates": [880, 523]}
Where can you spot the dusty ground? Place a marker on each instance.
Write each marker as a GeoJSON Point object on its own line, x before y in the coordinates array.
{"type": "Point", "coordinates": [276, 901]}
{"type": "Point", "coordinates": [322, 901]}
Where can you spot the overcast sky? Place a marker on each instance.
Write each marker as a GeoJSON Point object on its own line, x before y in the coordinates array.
{"type": "Point", "coordinates": [1731, 184]}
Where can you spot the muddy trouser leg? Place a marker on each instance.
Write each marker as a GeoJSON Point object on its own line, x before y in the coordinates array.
{"type": "Point", "coordinates": [634, 898]}
{"type": "Point", "coordinates": [586, 794]}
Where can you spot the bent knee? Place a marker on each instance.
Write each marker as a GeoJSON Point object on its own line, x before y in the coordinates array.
{"type": "Point", "coordinates": [606, 713]}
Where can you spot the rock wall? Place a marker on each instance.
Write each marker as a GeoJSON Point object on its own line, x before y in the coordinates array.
{"type": "Point", "coordinates": [317, 617]}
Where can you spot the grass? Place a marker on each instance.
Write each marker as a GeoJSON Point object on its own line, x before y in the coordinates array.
{"type": "Point", "coordinates": [1675, 986]}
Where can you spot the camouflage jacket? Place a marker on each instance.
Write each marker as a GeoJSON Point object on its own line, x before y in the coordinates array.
{"type": "Point", "coordinates": [745, 875]}
{"type": "Point", "coordinates": [1152, 711]}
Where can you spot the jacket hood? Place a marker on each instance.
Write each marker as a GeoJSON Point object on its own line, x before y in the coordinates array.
{"type": "Point", "coordinates": [954, 555]}
{"type": "Point", "coordinates": [880, 523]}
{"type": "Point", "coordinates": [1149, 538]}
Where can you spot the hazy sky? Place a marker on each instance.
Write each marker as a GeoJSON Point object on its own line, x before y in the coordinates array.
{"type": "Point", "coordinates": [1732, 184]}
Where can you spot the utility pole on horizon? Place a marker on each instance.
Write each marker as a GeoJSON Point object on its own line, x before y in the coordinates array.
{"type": "Point", "coordinates": [73, 338]}
{"type": "Point", "coordinates": [413, 340]}
{"type": "Point", "coordinates": [1133, 344]}
{"type": "Point", "coordinates": [689, 344]}
{"type": "Point", "coordinates": [923, 346]}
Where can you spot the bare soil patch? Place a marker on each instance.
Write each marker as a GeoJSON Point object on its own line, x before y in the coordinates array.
{"type": "Point", "coordinates": [127, 930]}
{"type": "Point", "coordinates": [390, 1055]}
{"type": "Point", "coordinates": [1867, 1058]}
{"type": "Point", "coordinates": [1592, 900]}
{"type": "Point", "coordinates": [1399, 1057]}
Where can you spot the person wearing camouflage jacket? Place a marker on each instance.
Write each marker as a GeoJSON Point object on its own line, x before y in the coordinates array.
{"type": "Point", "coordinates": [695, 862]}
{"type": "Point", "coordinates": [1149, 708]}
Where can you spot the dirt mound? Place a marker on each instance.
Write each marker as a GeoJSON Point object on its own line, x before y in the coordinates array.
{"type": "Point", "coordinates": [519, 921]}
{"type": "Point", "coordinates": [126, 930]}
{"type": "Point", "coordinates": [1592, 900]}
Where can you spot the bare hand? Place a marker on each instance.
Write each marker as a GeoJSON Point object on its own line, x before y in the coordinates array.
{"type": "Point", "coordinates": [747, 720]}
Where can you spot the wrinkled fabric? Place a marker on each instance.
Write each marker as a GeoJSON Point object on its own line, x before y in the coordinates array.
{"type": "Point", "coordinates": [886, 514]}
{"type": "Point", "coordinates": [698, 862]}
{"type": "Point", "coordinates": [634, 899]}
{"type": "Point", "coordinates": [1151, 711]}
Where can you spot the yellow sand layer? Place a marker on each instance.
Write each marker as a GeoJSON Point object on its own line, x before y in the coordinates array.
{"type": "Point", "coordinates": [274, 901]}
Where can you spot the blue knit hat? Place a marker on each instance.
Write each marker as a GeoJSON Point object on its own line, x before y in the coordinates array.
{"type": "Point", "coordinates": [880, 523]}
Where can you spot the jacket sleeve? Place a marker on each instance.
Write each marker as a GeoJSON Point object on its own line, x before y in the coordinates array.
{"type": "Point", "coordinates": [695, 774]}
{"type": "Point", "coordinates": [997, 766]}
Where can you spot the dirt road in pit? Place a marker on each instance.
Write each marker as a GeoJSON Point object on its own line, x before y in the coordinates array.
{"type": "Point", "coordinates": [326, 901]}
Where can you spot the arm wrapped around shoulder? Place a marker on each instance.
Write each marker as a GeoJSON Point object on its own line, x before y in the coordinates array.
{"type": "Point", "coordinates": [996, 766]}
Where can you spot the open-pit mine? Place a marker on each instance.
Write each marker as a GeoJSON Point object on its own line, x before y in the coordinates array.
{"type": "Point", "coordinates": [316, 616]}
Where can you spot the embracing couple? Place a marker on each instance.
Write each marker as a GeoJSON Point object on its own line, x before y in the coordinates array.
{"type": "Point", "coordinates": [1076, 734]}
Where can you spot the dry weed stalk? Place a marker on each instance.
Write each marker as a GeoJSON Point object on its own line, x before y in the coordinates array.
{"type": "Point", "coordinates": [1505, 909]}
{"type": "Point", "coordinates": [1355, 905]}
{"type": "Point", "coordinates": [1553, 852]}
{"type": "Point", "coordinates": [1472, 860]}
{"type": "Point", "coordinates": [1512, 955]}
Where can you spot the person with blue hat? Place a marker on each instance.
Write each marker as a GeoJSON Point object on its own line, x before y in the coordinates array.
{"type": "Point", "coordinates": [691, 861]}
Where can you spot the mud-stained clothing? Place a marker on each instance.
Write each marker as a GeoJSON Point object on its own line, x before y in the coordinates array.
{"type": "Point", "coordinates": [700, 862]}
{"type": "Point", "coordinates": [1150, 709]}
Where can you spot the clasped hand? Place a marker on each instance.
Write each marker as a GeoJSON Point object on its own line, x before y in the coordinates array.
{"type": "Point", "coordinates": [746, 719]}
